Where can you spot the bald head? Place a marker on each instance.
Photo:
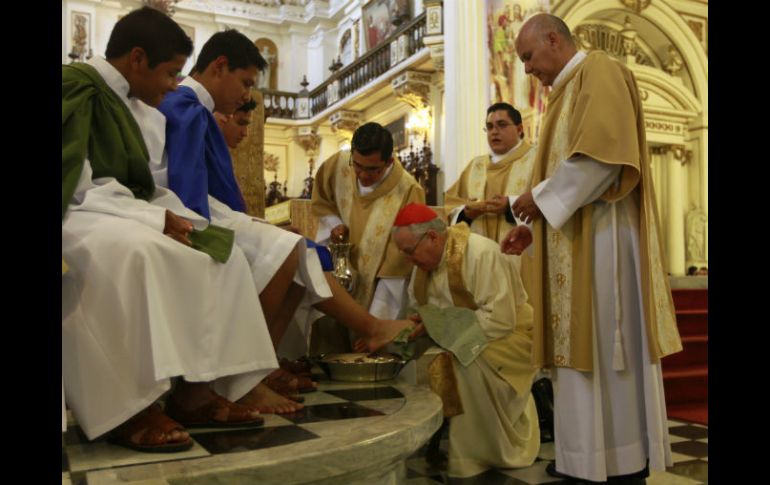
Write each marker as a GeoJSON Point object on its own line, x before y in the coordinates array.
{"type": "Point", "coordinates": [543, 23]}
{"type": "Point", "coordinates": [545, 45]}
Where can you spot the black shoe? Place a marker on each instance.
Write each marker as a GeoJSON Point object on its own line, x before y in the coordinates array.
{"type": "Point", "coordinates": [437, 459]}
{"type": "Point", "coordinates": [551, 470]}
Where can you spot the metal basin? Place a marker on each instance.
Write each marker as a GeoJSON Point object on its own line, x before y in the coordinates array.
{"type": "Point", "coordinates": [360, 367]}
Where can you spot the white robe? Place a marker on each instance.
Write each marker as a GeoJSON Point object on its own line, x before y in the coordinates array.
{"type": "Point", "coordinates": [139, 308]}
{"type": "Point", "coordinates": [499, 427]}
{"type": "Point", "coordinates": [607, 422]}
{"type": "Point", "coordinates": [266, 246]}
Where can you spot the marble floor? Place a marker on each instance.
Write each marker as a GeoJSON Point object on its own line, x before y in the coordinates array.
{"type": "Point", "coordinates": [689, 446]}
{"type": "Point", "coordinates": [355, 405]}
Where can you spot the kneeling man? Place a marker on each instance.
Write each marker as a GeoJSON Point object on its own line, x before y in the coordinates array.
{"type": "Point", "coordinates": [471, 302]}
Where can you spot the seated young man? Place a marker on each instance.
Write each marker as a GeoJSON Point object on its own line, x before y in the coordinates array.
{"type": "Point", "coordinates": [198, 168]}
{"type": "Point", "coordinates": [140, 304]}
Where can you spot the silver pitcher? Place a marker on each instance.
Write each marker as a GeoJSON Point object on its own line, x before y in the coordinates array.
{"type": "Point", "coordinates": [343, 272]}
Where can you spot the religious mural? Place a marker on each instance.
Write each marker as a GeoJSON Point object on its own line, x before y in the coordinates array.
{"type": "Point", "coordinates": [508, 81]}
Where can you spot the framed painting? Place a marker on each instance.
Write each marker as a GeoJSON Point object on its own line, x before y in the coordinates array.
{"type": "Point", "coordinates": [381, 18]}
{"type": "Point", "coordinates": [398, 130]}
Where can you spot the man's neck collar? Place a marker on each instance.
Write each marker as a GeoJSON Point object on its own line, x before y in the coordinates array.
{"type": "Point", "coordinates": [200, 90]}
{"type": "Point", "coordinates": [568, 67]}
{"type": "Point", "coordinates": [496, 158]}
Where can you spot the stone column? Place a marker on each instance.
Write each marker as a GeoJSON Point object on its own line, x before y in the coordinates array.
{"type": "Point", "coordinates": [466, 82]}
{"type": "Point", "coordinates": [676, 197]}
{"type": "Point", "coordinates": [248, 160]}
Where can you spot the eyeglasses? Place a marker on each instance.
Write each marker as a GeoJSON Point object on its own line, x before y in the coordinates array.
{"type": "Point", "coordinates": [501, 125]}
{"type": "Point", "coordinates": [360, 168]}
{"type": "Point", "coordinates": [410, 251]}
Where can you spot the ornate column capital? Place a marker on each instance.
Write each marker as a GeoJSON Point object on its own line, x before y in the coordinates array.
{"type": "Point", "coordinates": [413, 88]}
{"type": "Point", "coordinates": [677, 152]}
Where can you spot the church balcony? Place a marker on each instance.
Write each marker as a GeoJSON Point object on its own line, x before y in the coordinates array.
{"type": "Point", "coordinates": [403, 49]}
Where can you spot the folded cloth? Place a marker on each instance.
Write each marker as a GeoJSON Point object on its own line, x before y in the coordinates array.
{"type": "Point", "coordinates": [455, 329]}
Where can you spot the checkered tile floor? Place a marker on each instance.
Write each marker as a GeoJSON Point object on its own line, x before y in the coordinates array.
{"type": "Point", "coordinates": [689, 446]}
{"type": "Point", "coordinates": [359, 403]}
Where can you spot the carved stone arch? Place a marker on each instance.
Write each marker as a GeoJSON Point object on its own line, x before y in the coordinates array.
{"type": "Point", "coordinates": [269, 78]}
{"type": "Point", "coordinates": [676, 29]}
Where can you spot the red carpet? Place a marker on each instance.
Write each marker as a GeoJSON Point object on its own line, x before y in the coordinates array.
{"type": "Point", "coordinates": [685, 374]}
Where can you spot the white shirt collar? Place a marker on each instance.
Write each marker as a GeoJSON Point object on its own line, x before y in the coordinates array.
{"type": "Point", "coordinates": [111, 76]}
{"type": "Point", "coordinates": [496, 158]}
{"type": "Point", "coordinates": [368, 190]}
{"type": "Point", "coordinates": [572, 64]}
{"type": "Point", "coordinates": [203, 95]}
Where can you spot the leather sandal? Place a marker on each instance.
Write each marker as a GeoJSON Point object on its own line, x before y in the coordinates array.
{"type": "Point", "coordinates": [287, 383]}
{"type": "Point", "coordinates": [205, 416]}
{"type": "Point", "coordinates": [148, 432]}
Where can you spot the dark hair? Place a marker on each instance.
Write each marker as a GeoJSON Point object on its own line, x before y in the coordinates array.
{"type": "Point", "coordinates": [155, 32]}
{"type": "Point", "coordinates": [247, 106]}
{"type": "Point", "coordinates": [513, 113]}
{"type": "Point", "coordinates": [370, 138]}
{"type": "Point", "coordinates": [241, 53]}
{"type": "Point", "coordinates": [692, 270]}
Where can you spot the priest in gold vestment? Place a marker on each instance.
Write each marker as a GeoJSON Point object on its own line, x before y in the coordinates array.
{"type": "Point", "coordinates": [361, 192]}
{"type": "Point", "coordinates": [489, 184]}
{"type": "Point", "coordinates": [486, 324]}
{"type": "Point", "coordinates": [600, 289]}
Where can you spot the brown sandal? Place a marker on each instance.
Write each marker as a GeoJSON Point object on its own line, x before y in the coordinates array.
{"type": "Point", "coordinates": [148, 431]}
{"type": "Point", "coordinates": [284, 382]}
{"type": "Point", "coordinates": [205, 416]}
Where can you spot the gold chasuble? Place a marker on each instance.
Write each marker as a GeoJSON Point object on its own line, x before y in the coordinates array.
{"type": "Point", "coordinates": [483, 179]}
{"type": "Point", "coordinates": [369, 218]}
{"type": "Point", "coordinates": [595, 111]}
{"type": "Point", "coordinates": [466, 278]}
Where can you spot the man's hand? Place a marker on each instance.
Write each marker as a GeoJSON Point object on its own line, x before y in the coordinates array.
{"type": "Point", "coordinates": [498, 204]}
{"type": "Point", "coordinates": [419, 330]}
{"type": "Point", "coordinates": [177, 228]}
{"type": "Point", "coordinates": [516, 241]}
{"type": "Point", "coordinates": [339, 233]}
{"type": "Point", "coordinates": [525, 208]}
{"type": "Point", "coordinates": [473, 209]}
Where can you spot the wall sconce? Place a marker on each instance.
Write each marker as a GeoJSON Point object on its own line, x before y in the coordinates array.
{"type": "Point", "coordinates": [419, 121]}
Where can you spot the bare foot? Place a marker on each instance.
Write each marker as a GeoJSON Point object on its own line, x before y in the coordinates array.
{"type": "Point", "coordinates": [269, 401]}
{"type": "Point", "coordinates": [384, 331]}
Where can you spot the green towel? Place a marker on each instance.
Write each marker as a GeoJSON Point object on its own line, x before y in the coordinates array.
{"type": "Point", "coordinates": [454, 329]}
{"type": "Point", "coordinates": [215, 241]}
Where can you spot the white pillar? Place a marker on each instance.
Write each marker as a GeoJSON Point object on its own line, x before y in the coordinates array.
{"type": "Point", "coordinates": [466, 94]}
{"type": "Point", "coordinates": [676, 197]}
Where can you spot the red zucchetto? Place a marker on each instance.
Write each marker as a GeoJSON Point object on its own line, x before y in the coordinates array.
{"type": "Point", "coordinates": [414, 213]}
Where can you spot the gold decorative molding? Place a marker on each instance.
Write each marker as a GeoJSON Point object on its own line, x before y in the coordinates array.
{"type": "Point", "coordinates": [619, 44]}
{"type": "Point", "coordinates": [344, 122]}
{"type": "Point", "coordinates": [637, 5]}
{"type": "Point", "coordinates": [664, 126]}
{"type": "Point", "coordinates": [413, 88]}
{"type": "Point", "coordinates": [674, 63]}
{"type": "Point", "coordinates": [248, 160]}
{"type": "Point", "coordinates": [679, 152]}
{"type": "Point", "coordinates": [308, 139]}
